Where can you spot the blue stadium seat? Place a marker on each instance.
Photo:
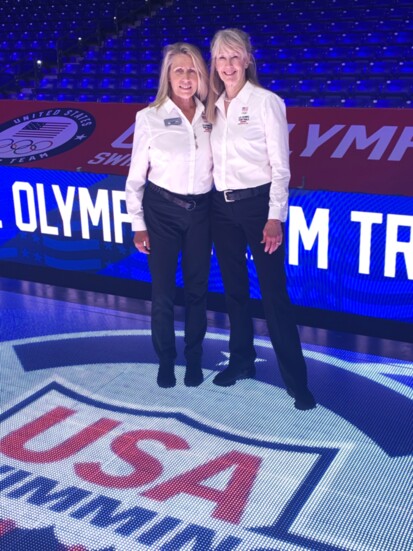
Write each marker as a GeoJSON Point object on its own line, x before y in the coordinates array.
{"type": "Point", "coordinates": [149, 69]}
{"type": "Point", "coordinates": [403, 37]}
{"type": "Point", "coordinates": [326, 38]}
{"type": "Point", "coordinates": [130, 83]}
{"type": "Point", "coordinates": [338, 52]}
{"type": "Point", "coordinates": [64, 96]}
{"type": "Point", "coordinates": [149, 83]}
{"type": "Point", "coordinates": [283, 87]}
{"type": "Point", "coordinates": [389, 102]}
{"type": "Point", "coordinates": [67, 83]}
{"type": "Point", "coordinates": [326, 68]}
{"type": "Point", "coordinates": [45, 96]}
{"type": "Point", "coordinates": [354, 101]}
{"type": "Point", "coordinates": [89, 68]}
{"type": "Point", "coordinates": [341, 25]}
{"type": "Point", "coordinates": [302, 68]}
{"type": "Point", "coordinates": [275, 40]}
{"type": "Point", "coordinates": [71, 68]}
{"type": "Point", "coordinates": [368, 86]}
{"type": "Point", "coordinates": [309, 85]}
{"type": "Point", "coordinates": [405, 67]}
{"type": "Point", "coordinates": [91, 55]}
{"type": "Point", "coordinates": [130, 43]}
{"type": "Point", "coordinates": [108, 83]}
{"type": "Point", "coordinates": [108, 98]}
{"type": "Point", "coordinates": [387, 24]}
{"type": "Point", "coordinates": [87, 83]}
{"type": "Point", "coordinates": [326, 101]}
{"type": "Point", "coordinates": [132, 98]}
{"type": "Point", "coordinates": [315, 26]}
{"type": "Point", "coordinates": [17, 56]}
{"type": "Point", "coordinates": [298, 101]}
{"type": "Point", "coordinates": [378, 37]}
{"type": "Point", "coordinates": [396, 52]}
{"type": "Point", "coordinates": [109, 68]}
{"type": "Point", "coordinates": [352, 38]}
{"type": "Point", "coordinates": [305, 51]}
{"type": "Point", "coordinates": [365, 25]}
{"type": "Point", "coordinates": [87, 97]}
{"type": "Point", "coordinates": [48, 83]}
{"type": "Point", "coordinates": [352, 67]}
{"type": "Point", "coordinates": [381, 67]}
{"type": "Point", "coordinates": [366, 51]}
{"type": "Point", "coordinates": [111, 55]}
{"type": "Point", "coordinates": [24, 95]}
{"type": "Point", "coordinates": [127, 55]}
{"type": "Point", "coordinates": [339, 85]}
{"type": "Point", "coordinates": [398, 86]}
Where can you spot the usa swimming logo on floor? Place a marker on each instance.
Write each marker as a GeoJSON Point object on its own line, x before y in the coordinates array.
{"type": "Point", "coordinates": [177, 480]}
{"type": "Point", "coordinates": [79, 467]}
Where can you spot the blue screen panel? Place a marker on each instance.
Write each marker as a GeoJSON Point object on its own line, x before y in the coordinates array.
{"type": "Point", "coordinates": [346, 252]}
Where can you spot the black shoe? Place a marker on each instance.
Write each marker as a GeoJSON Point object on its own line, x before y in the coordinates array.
{"type": "Point", "coordinates": [193, 376]}
{"type": "Point", "coordinates": [230, 376]}
{"type": "Point", "coordinates": [166, 375]}
{"type": "Point", "coordinates": [305, 401]}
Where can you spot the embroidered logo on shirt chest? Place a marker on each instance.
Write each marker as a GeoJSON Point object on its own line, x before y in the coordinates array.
{"type": "Point", "coordinates": [207, 126]}
{"type": "Point", "coordinates": [244, 117]}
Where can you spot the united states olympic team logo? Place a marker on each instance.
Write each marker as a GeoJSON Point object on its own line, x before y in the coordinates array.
{"type": "Point", "coordinates": [43, 134]}
{"type": "Point", "coordinates": [95, 452]}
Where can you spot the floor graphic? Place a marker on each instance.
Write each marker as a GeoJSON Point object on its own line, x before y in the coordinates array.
{"type": "Point", "coordinates": [95, 457]}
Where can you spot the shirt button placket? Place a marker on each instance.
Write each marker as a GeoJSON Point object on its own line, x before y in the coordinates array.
{"type": "Point", "coordinates": [192, 156]}
{"type": "Point", "coordinates": [224, 155]}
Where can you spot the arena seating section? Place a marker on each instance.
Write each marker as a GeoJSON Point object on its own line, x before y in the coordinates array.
{"type": "Point", "coordinates": [313, 53]}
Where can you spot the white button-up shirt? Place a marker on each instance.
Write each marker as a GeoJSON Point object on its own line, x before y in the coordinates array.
{"type": "Point", "coordinates": [170, 152]}
{"type": "Point", "coordinates": [250, 146]}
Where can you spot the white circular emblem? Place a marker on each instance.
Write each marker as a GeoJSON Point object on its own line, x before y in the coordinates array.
{"type": "Point", "coordinates": [43, 134]}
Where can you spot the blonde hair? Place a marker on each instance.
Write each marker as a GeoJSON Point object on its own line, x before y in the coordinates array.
{"type": "Point", "coordinates": [164, 89]}
{"type": "Point", "coordinates": [230, 39]}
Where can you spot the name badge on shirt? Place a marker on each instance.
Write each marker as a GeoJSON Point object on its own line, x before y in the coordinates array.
{"type": "Point", "coordinates": [207, 126]}
{"type": "Point", "coordinates": [173, 122]}
{"type": "Point", "coordinates": [243, 119]}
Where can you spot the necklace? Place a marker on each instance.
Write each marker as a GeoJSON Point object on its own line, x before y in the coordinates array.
{"type": "Point", "coordinates": [228, 100]}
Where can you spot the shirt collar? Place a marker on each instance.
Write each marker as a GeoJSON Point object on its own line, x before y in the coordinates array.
{"type": "Point", "coordinates": [243, 96]}
{"type": "Point", "coordinates": [169, 106]}
{"type": "Point", "coordinates": [245, 92]}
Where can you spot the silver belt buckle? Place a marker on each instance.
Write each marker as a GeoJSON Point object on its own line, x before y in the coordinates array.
{"type": "Point", "coordinates": [228, 199]}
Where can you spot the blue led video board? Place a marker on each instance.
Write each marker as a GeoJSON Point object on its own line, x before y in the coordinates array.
{"type": "Point", "coordinates": [347, 252]}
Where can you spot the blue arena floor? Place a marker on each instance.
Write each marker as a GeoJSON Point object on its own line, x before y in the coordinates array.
{"type": "Point", "coordinates": [94, 456]}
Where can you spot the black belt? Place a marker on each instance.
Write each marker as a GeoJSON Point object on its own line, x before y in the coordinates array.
{"type": "Point", "coordinates": [231, 195]}
{"type": "Point", "coordinates": [173, 198]}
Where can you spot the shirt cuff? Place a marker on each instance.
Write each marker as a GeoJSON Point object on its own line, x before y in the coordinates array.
{"type": "Point", "coordinates": [138, 225]}
{"type": "Point", "coordinates": [277, 213]}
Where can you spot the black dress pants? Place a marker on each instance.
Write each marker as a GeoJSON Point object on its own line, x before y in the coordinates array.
{"type": "Point", "coordinates": [234, 226]}
{"type": "Point", "coordinates": [173, 230]}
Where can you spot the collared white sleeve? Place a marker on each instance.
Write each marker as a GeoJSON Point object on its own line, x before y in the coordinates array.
{"type": "Point", "coordinates": [276, 133]}
{"type": "Point", "coordinates": [136, 180]}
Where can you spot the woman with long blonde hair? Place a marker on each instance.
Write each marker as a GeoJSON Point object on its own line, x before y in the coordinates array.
{"type": "Point", "coordinates": [168, 199]}
{"type": "Point", "coordinates": [250, 151]}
